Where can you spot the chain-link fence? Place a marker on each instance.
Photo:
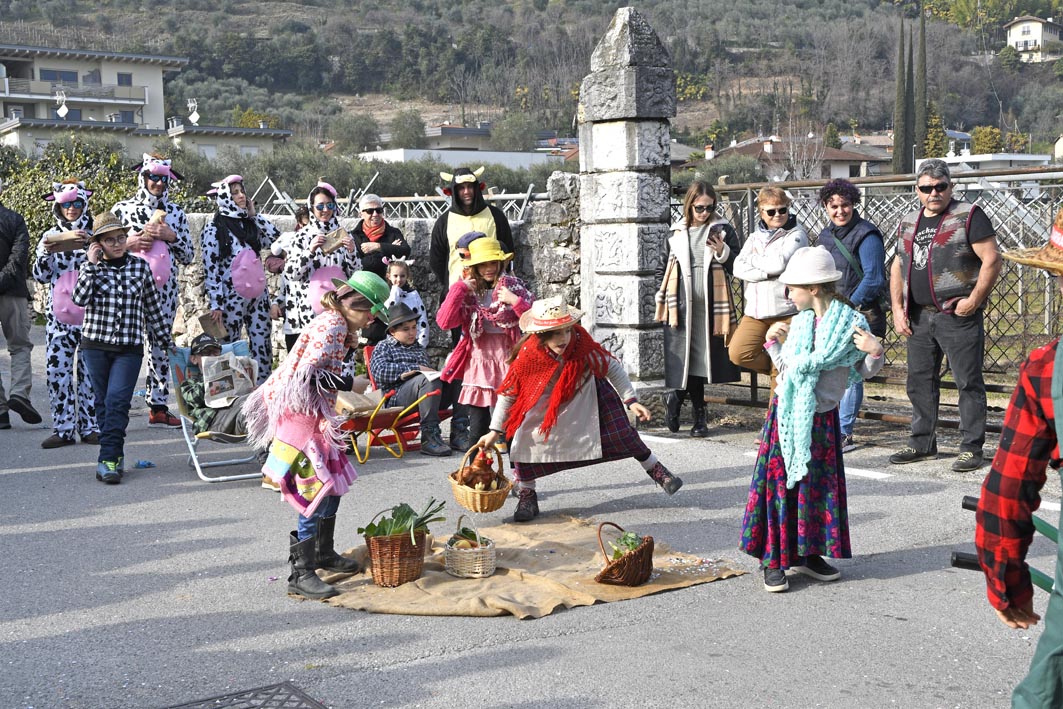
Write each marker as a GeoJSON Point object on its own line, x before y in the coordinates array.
{"type": "Point", "coordinates": [1024, 310]}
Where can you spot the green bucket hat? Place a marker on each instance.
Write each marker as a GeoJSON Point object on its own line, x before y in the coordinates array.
{"type": "Point", "coordinates": [370, 286]}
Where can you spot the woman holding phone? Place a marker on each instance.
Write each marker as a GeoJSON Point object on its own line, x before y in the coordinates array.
{"type": "Point", "coordinates": [695, 304]}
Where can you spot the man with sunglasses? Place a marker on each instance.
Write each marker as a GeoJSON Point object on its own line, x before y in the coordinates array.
{"type": "Point", "coordinates": [158, 232]}
{"type": "Point", "coordinates": [15, 315]}
{"type": "Point", "coordinates": [946, 265]}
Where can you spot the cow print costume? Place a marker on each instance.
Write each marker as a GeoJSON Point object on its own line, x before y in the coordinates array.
{"type": "Point", "coordinates": [135, 214]}
{"type": "Point", "coordinates": [408, 294]}
{"type": "Point", "coordinates": [300, 264]}
{"type": "Point", "coordinates": [229, 234]}
{"type": "Point", "coordinates": [70, 394]}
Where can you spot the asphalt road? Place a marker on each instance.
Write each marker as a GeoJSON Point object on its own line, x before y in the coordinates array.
{"type": "Point", "coordinates": [164, 589]}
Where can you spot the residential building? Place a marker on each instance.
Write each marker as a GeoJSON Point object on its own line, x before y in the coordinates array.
{"type": "Point", "coordinates": [466, 158]}
{"type": "Point", "coordinates": [775, 156]}
{"type": "Point", "coordinates": [1035, 40]}
{"type": "Point", "coordinates": [448, 137]}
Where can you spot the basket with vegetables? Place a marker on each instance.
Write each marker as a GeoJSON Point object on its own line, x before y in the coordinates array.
{"type": "Point", "coordinates": [468, 555]}
{"type": "Point", "coordinates": [397, 542]}
{"type": "Point", "coordinates": [481, 486]}
{"type": "Point", "coordinates": [631, 561]}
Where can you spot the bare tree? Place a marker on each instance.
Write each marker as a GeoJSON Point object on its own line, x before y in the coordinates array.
{"type": "Point", "coordinates": [804, 147]}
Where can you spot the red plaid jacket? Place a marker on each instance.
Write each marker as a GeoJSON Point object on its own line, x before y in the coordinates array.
{"type": "Point", "coordinates": [1011, 491]}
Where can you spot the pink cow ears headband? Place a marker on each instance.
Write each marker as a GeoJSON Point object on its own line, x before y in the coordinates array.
{"type": "Point", "coordinates": [65, 192]}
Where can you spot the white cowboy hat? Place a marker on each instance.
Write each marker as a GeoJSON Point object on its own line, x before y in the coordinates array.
{"type": "Point", "coordinates": [809, 266]}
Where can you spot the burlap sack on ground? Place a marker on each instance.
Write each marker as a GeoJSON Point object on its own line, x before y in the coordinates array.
{"type": "Point", "coordinates": [542, 566]}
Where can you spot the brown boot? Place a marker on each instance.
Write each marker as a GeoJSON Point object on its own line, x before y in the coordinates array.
{"type": "Point", "coordinates": [668, 482]}
{"type": "Point", "coordinates": [527, 506]}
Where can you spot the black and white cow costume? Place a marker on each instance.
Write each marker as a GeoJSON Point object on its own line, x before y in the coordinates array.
{"type": "Point", "coordinates": [407, 294]}
{"type": "Point", "coordinates": [70, 394]}
{"type": "Point", "coordinates": [135, 214]}
{"type": "Point", "coordinates": [235, 277]}
{"type": "Point", "coordinates": [304, 286]}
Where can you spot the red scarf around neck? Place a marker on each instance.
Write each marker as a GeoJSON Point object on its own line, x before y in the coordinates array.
{"type": "Point", "coordinates": [533, 369]}
{"type": "Point", "coordinates": [374, 234]}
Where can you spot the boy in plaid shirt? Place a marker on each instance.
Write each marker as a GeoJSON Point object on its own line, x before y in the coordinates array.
{"type": "Point", "coordinates": [1029, 443]}
{"type": "Point", "coordinates": [399, 363]}
{"type": "Point", "coordinates": [120, 299]}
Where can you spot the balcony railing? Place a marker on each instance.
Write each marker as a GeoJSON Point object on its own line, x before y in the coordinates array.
{"type": "Point", "coordinates": [47, 89]}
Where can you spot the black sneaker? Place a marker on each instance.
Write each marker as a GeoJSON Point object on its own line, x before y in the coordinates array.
{"type": "Point", "coordinates": [911, 455]}
{"type": "Point", "coordinates": [818, 569]}
{"type": "Point", "coordinates": [848, 444]}
{"type": "Point", "coordinates": [775, 581]}
{"type": "Point", "coordinates": [967, 462]}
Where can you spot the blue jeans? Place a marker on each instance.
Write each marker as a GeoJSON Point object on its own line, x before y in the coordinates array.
{"type": "Point", "coordinates": [850, 406]}
{"type": "Point", "coordinates": [308, 525]}
{"type": "Point", "coordinates": [114, 377]}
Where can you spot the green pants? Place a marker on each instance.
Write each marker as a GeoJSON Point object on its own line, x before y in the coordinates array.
{"type": "Point", "coordinates": [1043, 686]}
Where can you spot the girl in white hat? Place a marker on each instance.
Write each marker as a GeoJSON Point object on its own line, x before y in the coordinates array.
{"type": "Point", "coordinates": [797, 512]}
{"type": "Point", "coordinates": [561, 405]}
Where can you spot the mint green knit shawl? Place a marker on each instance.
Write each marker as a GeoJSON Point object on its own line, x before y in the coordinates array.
{"type": "Point", "coordinates": [811, 348]}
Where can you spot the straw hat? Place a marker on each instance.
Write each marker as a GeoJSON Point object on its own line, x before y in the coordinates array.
{"type": "Point", "coordinates": [485, 251]}
{"type": "Point", "coordinates": [1049, 256]}
{"type": "Point", "coordinates": [809, 266]}
{"type": "Point", "coordinates": [104, 224]}
{"type": "Point", "coordinates": [549, 314]}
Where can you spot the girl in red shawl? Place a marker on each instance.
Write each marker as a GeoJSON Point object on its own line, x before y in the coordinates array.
{"type": "Point", "coordinates": [561, 405]}
{"type": "Point", "coordinates": [486, 304]}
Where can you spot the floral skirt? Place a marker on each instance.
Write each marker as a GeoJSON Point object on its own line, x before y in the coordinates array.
{"type": "Point", "coordinates": [486, 369]}
{"type": "Point", "coordinates": [781, 527]}
{"type": "Point", "coordinates": [619, 438]}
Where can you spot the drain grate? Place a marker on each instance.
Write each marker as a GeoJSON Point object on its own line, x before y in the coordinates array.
{"type": "Point", "coordinates": [276, 696]}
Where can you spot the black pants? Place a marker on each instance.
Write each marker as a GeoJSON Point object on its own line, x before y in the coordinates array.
{"type": "Point", "coordinates": [962, 339]}
{"type": "Point", "coordinates": [696, 391]}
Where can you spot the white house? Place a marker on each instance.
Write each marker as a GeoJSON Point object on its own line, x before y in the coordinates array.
{"type": "Point", "coordinates": [466, 158]}
{"type": "Point", "coordinates": [1029, 36]}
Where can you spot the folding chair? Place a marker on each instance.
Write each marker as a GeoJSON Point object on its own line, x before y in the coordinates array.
{"type": "Point", "coordinates": [179, 363]}
{"type": "Point", "coordinates": [394, 429]}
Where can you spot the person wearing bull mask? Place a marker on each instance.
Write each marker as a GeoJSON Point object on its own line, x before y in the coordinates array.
{"type": "Point", "coordinates": [1029, 443]}
{"type": "Point", "coordinates": [158, 233]}
{"type": "Point", "coordinates": [468, 212]}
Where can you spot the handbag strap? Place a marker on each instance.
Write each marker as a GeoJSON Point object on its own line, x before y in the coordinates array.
{"type": "Point", "coordinates": [1057, 391]}
{"type": "Point", "coordinates": [849, 257]}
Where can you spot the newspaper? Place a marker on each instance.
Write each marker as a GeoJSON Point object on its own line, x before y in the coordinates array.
{"type": "Point", "coordinates": [227, 377]}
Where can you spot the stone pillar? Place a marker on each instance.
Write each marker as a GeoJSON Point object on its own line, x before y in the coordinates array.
{"type": "Point", "coordinates": [625, 189]}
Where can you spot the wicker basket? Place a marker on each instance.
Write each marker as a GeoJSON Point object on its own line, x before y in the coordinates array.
{"type": "Point", "coordinates": [395, 559]}
{"type": "Point", "coordinates": [481, 500]}
{"type": "Point", "coordinates": [470, 563]}
{"type": "Point", "coordinates": [632, 569]}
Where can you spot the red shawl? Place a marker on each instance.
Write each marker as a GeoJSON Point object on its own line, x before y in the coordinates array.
{"type": "Point", "coordinates": [533, 369]}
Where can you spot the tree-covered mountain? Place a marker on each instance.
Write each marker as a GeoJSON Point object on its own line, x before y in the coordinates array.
{"type": "Point", "coordinates": [750, 66]}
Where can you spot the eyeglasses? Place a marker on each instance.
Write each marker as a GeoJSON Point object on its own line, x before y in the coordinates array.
{"type": "Point", "coordinates": [778, 210]}
{"type": "Point", "coordinates": [939, 188]}
{"type": "Point", "coordinates": [702, 208]}
{"type": "Point", "coordinates": [76, 204]}
{"type": "Point", "coordinates": [113, 240]}
{"type": "Point", "coordinates": [325, 206]}
{"type": "Point", "coordinates": [157, 178]}
{"type": "Point", "coordinates": [374, 210]}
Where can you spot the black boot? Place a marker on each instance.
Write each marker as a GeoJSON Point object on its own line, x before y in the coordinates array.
{"type": "Point", "coordinates": [527, 506]}
{"type": "Point", "coordinates": [673, 404]}
{"type": "Point", "coordinates": [325, 551]}
{"type": "Point", "coordinates": [699, 429]}
{"type": "Point", "coordinates": [303, 580]}
{"type": "Point", "coordinates": [459, 428]}
{"type": "Point", "coordinates": [668, 482]}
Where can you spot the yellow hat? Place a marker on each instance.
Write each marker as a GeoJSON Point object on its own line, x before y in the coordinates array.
{"type": "Point", "coordinates": [485, 251]}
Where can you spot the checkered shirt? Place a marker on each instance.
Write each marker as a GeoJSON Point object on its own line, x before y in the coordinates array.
{"type": "Point", "coordinates": [120, 300]}
{"type": "Point", "coordinates": [1011, 491]}
{"type": "Point", "coordinates": [391, 359]}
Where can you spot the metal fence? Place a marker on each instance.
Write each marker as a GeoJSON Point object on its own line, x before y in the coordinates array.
{"type": "Point", "coordinates": [1024, 310]}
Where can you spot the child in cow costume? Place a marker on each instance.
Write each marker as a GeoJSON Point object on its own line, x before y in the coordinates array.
{"type": "Point", "coordinates": [235, 277]}
{"type": "Point", "coordinates": [158, 233]}
{"type": "Point", "coordinates": [69, 389]}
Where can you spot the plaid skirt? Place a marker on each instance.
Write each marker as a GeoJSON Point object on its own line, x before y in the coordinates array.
{"type": "Point", "coordinates": [619, 438]}
{"type": "Point", "coordinates": [781, 527]}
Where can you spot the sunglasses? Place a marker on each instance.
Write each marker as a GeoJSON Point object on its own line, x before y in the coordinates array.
{"type": "Point", "coordinates": [76, 204]}
{"type": "Point", "coordinates": [374, 210]}
{"type": "Point", "coordinates": [325, 206]}
{"type": "Point", "coordinates": [939, 188]}
{"type": "Point", "coordinates": [113, 240]}
{"type": "Point", "coordinates": [778, 210]}
{"type": "Point", "coordinates": [157, 178]}
{"type": "Point", "coordinates": [702, 208]}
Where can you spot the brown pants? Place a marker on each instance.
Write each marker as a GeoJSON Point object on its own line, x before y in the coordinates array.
{"type": "Point", "coordinates": [746, 348]}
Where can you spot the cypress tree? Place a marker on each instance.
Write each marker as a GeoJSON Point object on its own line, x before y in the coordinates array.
{"type": "Point", "coordinates": [909, 107]}
{"type": "Point", "coordinates": [937, 143]}
{"type": "Point", "coordinates": [899, 125]}
{"type": "Point", "coordinates": [920, 120]}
